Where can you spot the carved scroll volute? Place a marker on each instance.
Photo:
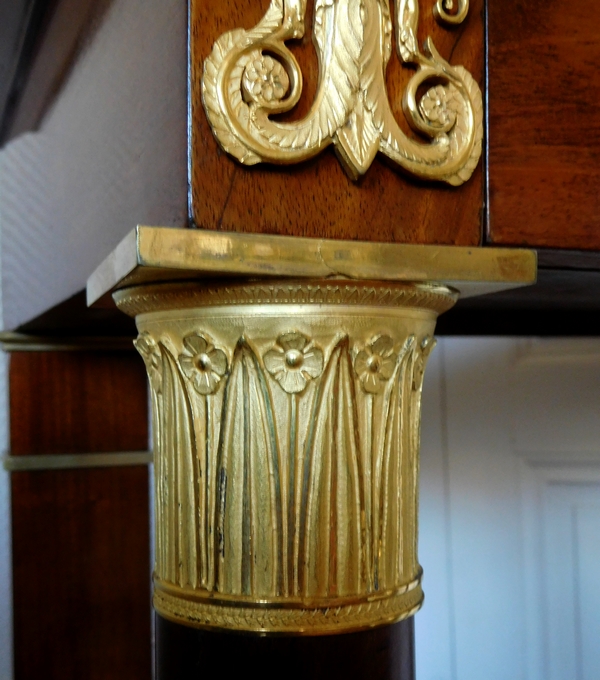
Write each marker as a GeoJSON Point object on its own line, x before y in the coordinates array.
{"type": "Point", "coordinates": [252, 75]}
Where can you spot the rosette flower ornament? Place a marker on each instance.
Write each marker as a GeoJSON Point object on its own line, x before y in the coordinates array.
{"type": "Point", "coordinates": [294, 362]}
{"type": "Point", "coordinates": [149, 350]}
{"type": "Point", "coordinates": [375, 365]}
{"type": "Point", "coordinates": [437, 106]}
{"type": "Point", "coordinates": [265, 80]}
{"type": "Point", "coordinates": [202, 364]}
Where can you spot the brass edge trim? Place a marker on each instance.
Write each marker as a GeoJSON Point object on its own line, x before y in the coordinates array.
{"type": "Point", "coordinates": [21, 342]}
{"type": "Point", "coordinates": [166, 254]}
{"type": "Point", "coordinates": [296, 622]}
{"type": "Point", "coordinates": [138, 300]}
{"type": "Point", "coordinates": [76, 461]}
{"type": "Point", "coordinates": [121, 261]}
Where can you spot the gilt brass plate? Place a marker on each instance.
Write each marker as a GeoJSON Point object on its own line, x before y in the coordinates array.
{"type": "Point", "coordinates": [151, 254]}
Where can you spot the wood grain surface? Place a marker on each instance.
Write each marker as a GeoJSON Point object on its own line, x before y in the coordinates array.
{"type": "Point", "coordinates": [316, 198]}
{"type": "Point", "coordinates": [544, 123]}
{"type": "Point", "coordinates": [81, 567]}
{"type": "Point", "coordinates": [81, 575]}
{"type": "Point", "coordinates": [77, 402]}
{"type": "Point", "coordinates": [382, 654]}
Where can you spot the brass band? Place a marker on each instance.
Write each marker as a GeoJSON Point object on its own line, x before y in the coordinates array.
{"type": "Point", "coordinates": [23, 342]}
{"type": "Point", "coordinates": [291, 618]}
{"type": "Point", "coordinates": [76, 461]}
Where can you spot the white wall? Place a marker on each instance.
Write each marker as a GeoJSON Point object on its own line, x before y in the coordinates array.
{"type": "Point", "coordinates": [111, 153]}
{"type": "Point", "coordinates": [510, 511]}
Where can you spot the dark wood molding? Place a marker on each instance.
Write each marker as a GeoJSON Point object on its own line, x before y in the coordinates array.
{"type": "Point", "coordinates": [22, 23]}
{"type": "Point", "coordinates": [73, 318]}
{"type": "Point", "coordinates": [568, 259]}
{"type": "Point", "coordinates": [565, 302]}
{"type": "Point", "coordinates": [519, 323]}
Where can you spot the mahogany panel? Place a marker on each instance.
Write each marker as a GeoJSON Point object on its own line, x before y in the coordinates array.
{"type": "Point", "coordinates": [317, 198]}
{"type": "Point", "coordinates": [544, 124]}
{"type": "Point", "coordinates": [77, 402]}
{"type": "Point", "coordinates": [81, 575]}
{"type": "Point", "coordinates": [81, 545]}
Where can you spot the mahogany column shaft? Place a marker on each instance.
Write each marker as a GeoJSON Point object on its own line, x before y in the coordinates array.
{"type": "Point", "coordinates": [184, 653]}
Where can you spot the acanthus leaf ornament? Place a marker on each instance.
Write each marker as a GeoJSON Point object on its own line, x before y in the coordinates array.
{"type": "Point", "coordinates": [150, 353]}
{"type": "Point", "coordinates": [251, 75]}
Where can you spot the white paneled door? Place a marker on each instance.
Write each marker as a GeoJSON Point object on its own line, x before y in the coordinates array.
{"type": "Point", "coordinates": [570, 514]}
{"type": "Point", "coordinates": [510, 511]}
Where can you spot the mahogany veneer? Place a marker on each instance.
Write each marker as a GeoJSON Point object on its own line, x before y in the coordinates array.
{"type": "Point", "coordinates": [544, 124]}
{"type": "Point", "coordinates": [81, 567]}
{"type": "Point", "coordinates": [316, 198]}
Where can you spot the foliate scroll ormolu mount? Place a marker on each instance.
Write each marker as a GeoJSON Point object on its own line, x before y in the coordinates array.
{"type": "Point", "coordinates": [252, 75]}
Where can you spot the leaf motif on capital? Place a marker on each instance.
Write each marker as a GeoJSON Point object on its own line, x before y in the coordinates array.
{"type": "Point", "coordinates": [252, 75]}
{"type": "Point", "coordinates": [267, 490]}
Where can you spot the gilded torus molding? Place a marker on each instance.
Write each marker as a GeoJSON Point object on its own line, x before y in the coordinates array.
{"type": "Point", "coordinates": [251, 75]}
{"type": "Point", "coordinates": [286, 435]}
